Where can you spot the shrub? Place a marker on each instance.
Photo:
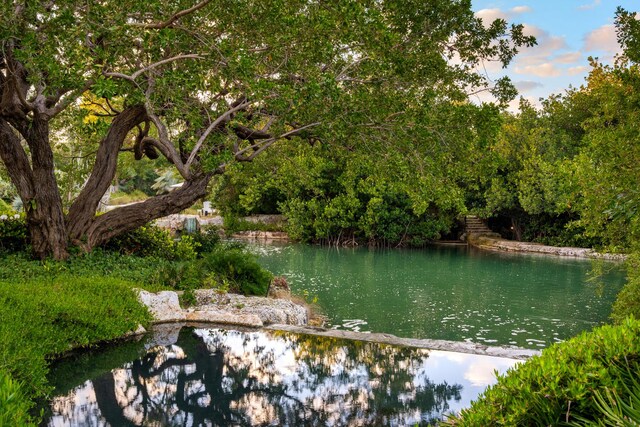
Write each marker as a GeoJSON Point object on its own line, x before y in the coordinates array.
{"type": "Point", "coordinates": [614, 410]}
{"type": "Point", "coordinates": [240, 269]}
{"type": "Point", "coordinates": [628, 300]}
{"type": "Point", "coordinates": [207, 239]}
{"type": "Point", "coordinates": [559, 385]}
{"type": "Point", "coordinates": [14, 236]}
{"type": "Point", "coordinates": [152, 241]}
{"type": "Point", "coordinates": [47, 316]}
{"type": "Point", "coordinates": [181, 275]}
{"type": "Point", "coordinates": [228, 267]}
{"type": "Point", "coordinates": [14, 405]}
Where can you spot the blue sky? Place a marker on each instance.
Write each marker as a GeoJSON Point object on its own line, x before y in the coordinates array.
{"type": "Point", "coordinates": [568, 32]}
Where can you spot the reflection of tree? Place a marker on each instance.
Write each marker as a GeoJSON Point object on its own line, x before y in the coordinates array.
{"type": "Point", "coordinates": [233, 378]}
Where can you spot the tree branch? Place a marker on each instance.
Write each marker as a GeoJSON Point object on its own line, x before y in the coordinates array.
{"type": "Point", "coordinates": [259, 147]}
{"type": "Point", "coordinates": [69, 97]}
{"type": "Point", "coordinates": [137, 74]}
{"type": "Point", "coordinates": [173, 18]}
{"type": "Point", "coordinates": [211, 127]}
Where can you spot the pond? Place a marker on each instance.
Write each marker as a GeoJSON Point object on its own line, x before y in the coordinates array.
{"type": "Point", "coordinates": [451, 293]}
{"type": "Point", "coordinates": [219, 377]}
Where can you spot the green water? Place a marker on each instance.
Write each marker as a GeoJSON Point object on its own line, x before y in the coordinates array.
{"type": "Point", "coordinates": [452, 293]}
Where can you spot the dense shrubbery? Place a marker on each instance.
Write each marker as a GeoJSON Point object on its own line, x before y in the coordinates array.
{"type": "Point", "coordinates": [560, 385]}
{"type": "Point", "coordinates": [228, 268]}
{"type": "Point", "coordinates": [628, 300]}
{"type": "Point", "coordinates": [14, 235]}
{"type": "Point", "coordinates": [14, 404]}
{"type": "Point", "coordinates": [48, 307]}
{"type": "Point", "coordinates": [50, 314]}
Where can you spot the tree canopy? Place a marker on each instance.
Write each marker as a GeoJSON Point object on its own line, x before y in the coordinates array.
{"type": "Point", "coordinates": [206, 83]}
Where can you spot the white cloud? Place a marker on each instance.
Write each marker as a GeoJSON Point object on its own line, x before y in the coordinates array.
{"type": "Point", "coordinates": [546, 69]}
{"type": "Point", "coordinates": [490, 15]}
{"type": "Point", "coordinates": [602, 39]}
{"type": "Point", "coordinates": [574, 71]}
{"type": "Point", "coordinates": [568, 58]}
{"type": "Point", "coordinates": [527, 85]}
{"type": "Point", "coordinates": [592, 5]}
{"type": "Point", "coordinates": [541, 60]}
{"type": "Point", "coordinates": [521, 9]}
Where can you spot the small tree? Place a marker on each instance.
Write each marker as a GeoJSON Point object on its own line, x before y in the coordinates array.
{"type": "Point", "coordinates": [205, 83]}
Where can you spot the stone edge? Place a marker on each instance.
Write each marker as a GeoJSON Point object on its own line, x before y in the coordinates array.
{"type": "Point", "coordinates": [516, 353]}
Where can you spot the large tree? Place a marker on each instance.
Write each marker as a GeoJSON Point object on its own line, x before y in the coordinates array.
{"type": "Point", "coordinates": [206, 83]}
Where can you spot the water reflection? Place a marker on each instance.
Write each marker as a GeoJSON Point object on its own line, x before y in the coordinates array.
{"type": "Point", "coordinates": [223, 378]}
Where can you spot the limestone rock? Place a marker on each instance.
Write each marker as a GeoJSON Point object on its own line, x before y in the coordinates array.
{"type": "Point", "coordinates": [217, 316]}
{"type": "Point", "coordinates": [163, 306]}
{"type": "Point", "coordinates": [268, 310]}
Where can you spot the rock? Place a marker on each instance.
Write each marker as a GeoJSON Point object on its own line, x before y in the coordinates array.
{"type": "Point", "coordinates": [163, 306]}
{"type": "Point", "coordinates": [499, 244]}
{"type": "Point", "coordinates": [268, 310]}
{"type": "Point", "coordinates": [279, 288]}
{"type": "Point", "coordinates": [443, 345]}
{"type": "Point", "coordinates": [219, 308]}
{"type": "Point", "coordinates": [164, 334]}
{"type": "Point", "coordinates": [217, 316]}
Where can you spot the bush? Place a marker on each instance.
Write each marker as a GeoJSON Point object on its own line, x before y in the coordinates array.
{"type": "Point", "coordinates": [614, 410]}
{"type": "Point", "coordinates": [628, 300]}
{"type": "Point", "coordinates": [14, 405]}
{"type": "Point", "coordinates": [48, 315]}
{"type": "Point", "coordinates": [238, 268]}
{"type": "Point", "coordinates": [559, 386]}
{"type": "Point", "coordinates": [228, 267]}
{"type": "Point", "coordinates": [152, 241]}
{"type": "Point", "coordinates": [14, 236]}
{"type": "Point", "coordinates": [207, 239]}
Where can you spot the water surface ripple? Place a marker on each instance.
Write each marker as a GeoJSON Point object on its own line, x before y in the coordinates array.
{"type": "Point", "coordinates": [452, 293]}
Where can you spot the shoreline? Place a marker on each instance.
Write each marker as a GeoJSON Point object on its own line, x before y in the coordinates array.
{"type": "Point", "coordinates": [281, 314]}
{"type": "Point", "coordinates": [495, 244]}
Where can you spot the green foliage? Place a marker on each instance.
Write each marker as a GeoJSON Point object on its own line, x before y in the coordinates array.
{"type": "Point", "coordinates": [559, 385]}
{"type": "Point", "coordinates": [239, 269]}
{"type": "Point", "coordinates": [152, 241]}
{"type": "Point", "coordinates": [628, 300]}
{"type": "Point", "coordinates": [14, 236]}
{"type": "Point", "coordinates": [181, 275]}
{"type": "Point", "coordinates": [616, 411]}
{"type": "Point", "coordinates": [207, 239]}
{"type": "Point", "coordinates": [53, 312]}
{"type": "Point", "coordinates": [14, 404]}
{"type": "Point", "coordinates": [227, 266]}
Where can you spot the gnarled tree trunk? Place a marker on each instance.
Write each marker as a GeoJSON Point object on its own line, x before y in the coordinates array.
{"type": "Point", "coordinates": [117, 221]}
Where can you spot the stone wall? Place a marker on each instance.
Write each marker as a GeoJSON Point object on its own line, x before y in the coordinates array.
{"type": "Point", "coordinates": [502, 245]}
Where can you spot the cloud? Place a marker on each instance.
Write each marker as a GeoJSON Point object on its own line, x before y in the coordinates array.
{"type": "Point", "coordinates": [546, 69]}
{"type": "Point", "coordinates": [602, 39]}
{"type": "Point", "coordinates": [542, 59]}
{"type": "Point", "coordinates": [490, 15]}
{"type": "Point", "coordinates": [568, 58]}
{"type": "Point", "coordinates": [592, 5]}
{"type": "Point", "coordinates": [574, 71]}
{"type": "Point", "coordinates": [527, 85]}
{"type": "Point", "coordinates": [521, 9]}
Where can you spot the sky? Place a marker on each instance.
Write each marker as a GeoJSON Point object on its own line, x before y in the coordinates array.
{"type": "Point", "coordinates": [568, 33]}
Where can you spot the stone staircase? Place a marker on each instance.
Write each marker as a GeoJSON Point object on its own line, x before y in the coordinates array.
{"type": "Point", "coordinates": [475, 226]}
